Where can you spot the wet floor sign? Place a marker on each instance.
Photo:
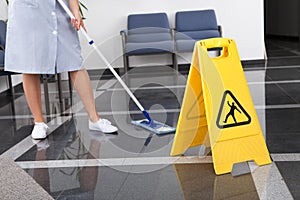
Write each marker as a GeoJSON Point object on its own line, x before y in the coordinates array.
{"type": "Point", "coordinates": [218, 111]}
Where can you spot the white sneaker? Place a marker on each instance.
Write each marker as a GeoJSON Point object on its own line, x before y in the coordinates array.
{"type": "Point", "coordinates": [39, 131]}
{"type": "Point", "coordinates": [102, 125]}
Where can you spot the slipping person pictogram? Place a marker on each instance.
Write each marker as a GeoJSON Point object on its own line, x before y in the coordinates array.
{"type": "Point", "coordinates": [231, 112]}
{"type": "Point", "coordinates": [242, 119]}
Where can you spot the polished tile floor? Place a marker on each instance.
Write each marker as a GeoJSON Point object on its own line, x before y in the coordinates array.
{"type": "Point", "coordinates": [74, 163]}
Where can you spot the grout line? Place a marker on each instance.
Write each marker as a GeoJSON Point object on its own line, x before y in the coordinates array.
{"type": "Point", "coordinates": [103, 113]}
{"type": "Point", "coordinates": [112, 162]}
{"type": "Point", "coordinates": [184, 86]}
{"type": "Point", "coordinates": [274, 82]}
{"type": "Point", "coordinates": [286, 157]}
{"type": "Point", "coordinates": [136, 161]}
{"type": "Point", "coordinates": [274, 67]}
{"type": "Point", "coordinates": [134, 112]}
{"type": "Point", "coordinates": [175, 110]}
{"type": "Point", "coordinates": [149, 88]}
{"type": "Point", "coordinates": [270, 107]}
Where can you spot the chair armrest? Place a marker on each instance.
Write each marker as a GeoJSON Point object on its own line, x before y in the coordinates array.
{"type": "Point", "coordinates": [123, 34]}
{"type": "Point", "coordinates": [220, 30]}
{"type": "Point", "coordinates": [173, 32]}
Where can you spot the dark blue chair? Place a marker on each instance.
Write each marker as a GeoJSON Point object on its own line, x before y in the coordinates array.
{"type": "Point", "coordinates": [192, 26]}
{"type": "Point", "coordinates": [2, 54]}
{"type": "Point", "coordinates": [147, 34]}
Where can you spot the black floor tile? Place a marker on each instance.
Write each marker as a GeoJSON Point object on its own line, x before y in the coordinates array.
{"type": "Point", "coordinates": [149, 98]}
{"type": "Point", "coordinates": [275, 94]}
{"type": "Point", "coordinates": [283, 130]}
{"type": "Point", "coordinates": [283, 74]}
{"type": "Point", "coordinates": [281, 53]}
{"type": "Point", "coordinates": [10, 135]}
{"type": "Point", "coordinates": [292, 90]}
{"type": "Point", "coordinates": [290, 172]}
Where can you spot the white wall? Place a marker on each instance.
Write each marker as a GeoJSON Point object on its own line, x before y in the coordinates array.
{"type": "Point", "coordinates": [3, 10]}
{"type": "Point", "coordinates": [241, 20]}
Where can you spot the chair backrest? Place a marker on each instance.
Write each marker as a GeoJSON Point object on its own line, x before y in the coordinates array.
{"type": "Point", "coordinates": [2, 41]}
{"type": "Point", "coordinates": [147, 23]}
{"type": "Point", "coordinates": [2, 33]}
{"type": "Point", "coordinates": [1, 59]}
{"type": "Point", "coordinates": [196, 20]}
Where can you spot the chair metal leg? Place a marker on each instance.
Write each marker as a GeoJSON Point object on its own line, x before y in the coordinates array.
{"type": "Point", "coordinates": [70, 88]}
{"type": "Point", "coordinates": [126, 63]}
{"type": "Point", "coordinates": [12, 93]}
{"type": "Point", "coordinates": [60, 97]}
{"type": "Point", "coordinates": [46, 93]}
{"type": "Point", "coordinates": [11, 88]}
{"type": "Point", "coordinates": [175, 63]}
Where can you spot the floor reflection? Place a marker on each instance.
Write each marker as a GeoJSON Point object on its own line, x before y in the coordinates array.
{"type": "Point", "coordinates": [200, 182]}
{"type": "Point", "coordinates": [275, 93]}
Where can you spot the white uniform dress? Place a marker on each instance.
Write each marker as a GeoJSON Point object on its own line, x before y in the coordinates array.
{"type": "Point", "coordinates": [40, 38]}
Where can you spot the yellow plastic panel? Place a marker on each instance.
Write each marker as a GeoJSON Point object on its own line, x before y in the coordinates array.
{"type": "Point", "coordinates": [224, 101]}
{"type": "Point", "coordinates": [234, 130]}
{"type": "Point", "coordinates": [192, 124]}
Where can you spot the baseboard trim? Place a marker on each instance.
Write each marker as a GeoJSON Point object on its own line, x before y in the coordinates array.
{"type": "Point", "coordinates": [253, 64]}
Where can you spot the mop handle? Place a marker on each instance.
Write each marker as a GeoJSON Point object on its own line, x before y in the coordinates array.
{"type": "Point", "coordinates": [91, 42]}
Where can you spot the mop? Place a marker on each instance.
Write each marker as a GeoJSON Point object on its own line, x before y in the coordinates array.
{"type": "Point", "coordinates": [148, 123]}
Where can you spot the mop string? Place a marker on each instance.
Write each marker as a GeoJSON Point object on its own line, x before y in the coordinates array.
{"type": "Point", "coordinates": [92, 43]}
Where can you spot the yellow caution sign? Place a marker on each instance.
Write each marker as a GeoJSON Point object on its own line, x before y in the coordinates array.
{"type": "Point", "coordinates": [218, 98]}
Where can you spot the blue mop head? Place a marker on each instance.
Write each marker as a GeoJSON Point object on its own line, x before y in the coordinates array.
{"type": "Point", "coordinates": [154, 126]}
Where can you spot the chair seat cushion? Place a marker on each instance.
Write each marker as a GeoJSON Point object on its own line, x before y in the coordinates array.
{"type": "Point", "coordinates": [145, 30]}
{"type": "Point", "coordinates": [197, 35]}
{"type": "Point", "coordinates": [149, 47]}
{"type": "Point", "coordinates": [185, 45]}
{"type": "Point", "coordinates": [149, 37]}
{"type": "Point", "coordinates": [2, 33]}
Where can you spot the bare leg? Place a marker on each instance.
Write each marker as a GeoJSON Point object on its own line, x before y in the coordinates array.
{"type": "Point", "coordinates": [32, 89]}
{"type": "Point", "coordinates": [81, 82]}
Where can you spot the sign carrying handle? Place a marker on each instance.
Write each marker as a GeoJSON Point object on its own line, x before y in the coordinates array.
{"type": "Point", "coordinates": [222, 44]}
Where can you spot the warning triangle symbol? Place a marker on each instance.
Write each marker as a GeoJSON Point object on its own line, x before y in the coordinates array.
{"type": "Point", "coordinates": [231, 112]}
{"type": "Point", "coordinates": [195, 111]}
